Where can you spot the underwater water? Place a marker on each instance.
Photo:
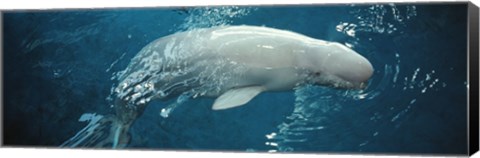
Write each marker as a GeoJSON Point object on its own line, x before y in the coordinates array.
{"type": "Point", "coordinates": [61, 64]}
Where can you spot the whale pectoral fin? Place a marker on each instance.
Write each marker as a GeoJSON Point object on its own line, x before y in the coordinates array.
{"type": "Point", "coordinates": [236, 97]}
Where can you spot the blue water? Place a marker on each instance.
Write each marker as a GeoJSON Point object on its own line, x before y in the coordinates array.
{"type": "Point", "coordinates": [59, 64]}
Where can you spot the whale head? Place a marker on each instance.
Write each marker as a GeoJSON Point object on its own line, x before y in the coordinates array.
{"type": "Point", "coordinates": [335, 65]}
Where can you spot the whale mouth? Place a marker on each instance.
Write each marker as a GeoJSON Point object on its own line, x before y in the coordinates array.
{"type": "Point", "coordinates": [359, 85]}
{"type": "Point", "coordinates": [338, 82]}
{"type": "Point", "coordinates": [353, 84]}
{"type": "Point", "coordinates": [350, 85]}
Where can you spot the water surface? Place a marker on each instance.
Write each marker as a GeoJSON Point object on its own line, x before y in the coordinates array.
{"type": "Point", "coordinates": [60, 64]}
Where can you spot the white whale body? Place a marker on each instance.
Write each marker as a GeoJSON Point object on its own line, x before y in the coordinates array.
{"type": "Point", "coordinates": [230, 63]}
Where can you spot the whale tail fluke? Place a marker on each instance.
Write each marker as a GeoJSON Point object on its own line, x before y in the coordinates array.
{"type": "Point", "coordinates": [101, 132]}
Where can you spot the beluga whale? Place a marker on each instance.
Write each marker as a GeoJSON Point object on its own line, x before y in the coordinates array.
{"type": "Point", "coordinates": [231, 64]}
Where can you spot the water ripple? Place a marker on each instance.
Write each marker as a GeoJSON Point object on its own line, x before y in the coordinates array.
{"type": "Point", "coordinates": [323, 113]}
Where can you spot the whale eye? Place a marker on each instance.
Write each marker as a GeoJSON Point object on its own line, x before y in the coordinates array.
{"type": "Point", "coordinates": [317, 73]}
